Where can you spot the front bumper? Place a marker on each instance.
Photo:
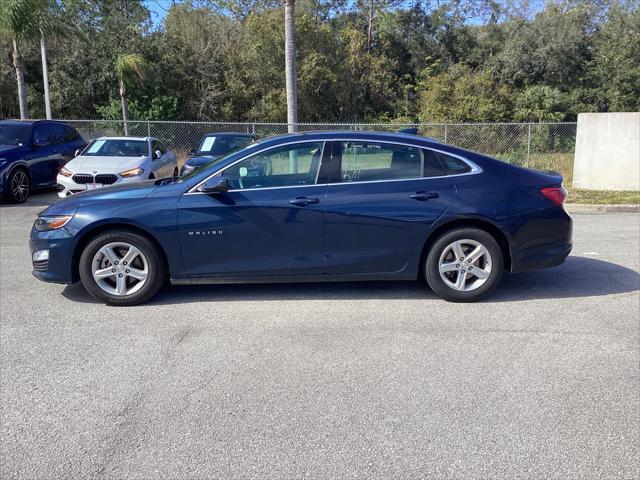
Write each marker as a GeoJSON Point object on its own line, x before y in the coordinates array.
{"type": "Point", "coordinates": [59, 266]}
{"type": "Point", "coordinates": [67, 187]}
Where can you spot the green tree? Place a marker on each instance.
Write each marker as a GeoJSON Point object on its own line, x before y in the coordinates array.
{"type": "Point", "coordinates": [463, 95]}
{"type": "Point", "coordinates": [26, 20]}
{"type": "Point", "coordinates": [129, 68]}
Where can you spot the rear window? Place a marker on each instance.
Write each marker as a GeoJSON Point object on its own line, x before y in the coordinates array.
{"type": "Point", "coordinates": [453, 165]}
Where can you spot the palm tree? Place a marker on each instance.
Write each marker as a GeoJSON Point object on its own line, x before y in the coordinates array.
{"type": "Point", "coordinates": [129, 67]}
{"type": "Point", "coordinates": [290, 63]}
{"type": "Point", "coordinates": [28, 20]}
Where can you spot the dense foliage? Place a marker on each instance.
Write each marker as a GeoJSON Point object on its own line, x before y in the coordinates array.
{"type": "Point", "coordinates": [363, 60]}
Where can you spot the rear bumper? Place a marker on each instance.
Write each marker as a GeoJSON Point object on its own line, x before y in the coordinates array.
{"type": "Point", "coordinates": [541, 257]}
{"type": "Point", "coordinates": [544, 241]}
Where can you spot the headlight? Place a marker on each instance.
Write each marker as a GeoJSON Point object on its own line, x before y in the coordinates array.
{"type": "Point", "coordinates": [134, 172]}
{"type": "Point", "coordinates": [65, 173]}
{"type": "Point", "coordinates": [51, 222]}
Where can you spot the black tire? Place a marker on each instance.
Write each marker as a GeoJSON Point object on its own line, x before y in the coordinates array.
{"type": "Point", "coordinates": [442, 246]}
{"type": "Point", "coordinates": [154, 265]}
{"type": "Point", "coordinates": [18, 186]}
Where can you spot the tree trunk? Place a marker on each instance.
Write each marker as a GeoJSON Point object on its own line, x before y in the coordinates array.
{"type": "Point", "coordinates": [125, 107]}
{"type": "Point", "coordinates": [290, 63]}
{"type": "Point", "coordinates": [370, 25]}
{"type": "Point", "coordinates": [22, 88]}
{"type": "Point", "coordinates": [45, 77]}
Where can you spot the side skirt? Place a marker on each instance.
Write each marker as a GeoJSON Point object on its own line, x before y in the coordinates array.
{"type": "Point", "coordinates": [356, 277]}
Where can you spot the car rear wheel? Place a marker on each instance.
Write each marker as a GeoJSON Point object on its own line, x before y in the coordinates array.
{"type": "Point", "coordinates": [121, 268]}
{"type": "Point", "coordinates": [18, 186]}
{"type": "Point", "coordinates": [464, 265]}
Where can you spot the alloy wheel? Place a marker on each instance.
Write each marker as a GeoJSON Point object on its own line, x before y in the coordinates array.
{"type": "Point", "coordinates": [465, 265]}
{"type": "Point", "coordinates": [120, 268]}
{"type": "Point", "coordinates": [20, 186]}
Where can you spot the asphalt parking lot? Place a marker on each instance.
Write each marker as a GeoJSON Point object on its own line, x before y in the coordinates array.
{"type": "Point", "coordinates": [354, 380]}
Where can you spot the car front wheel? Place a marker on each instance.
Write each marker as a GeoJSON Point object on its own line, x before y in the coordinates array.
{"type": "Point", "coordinates": [18, 186]}
{"type": "Point", "coordinates": [464, 265]}
{"type": "Point", "coordinates": [121, 268]}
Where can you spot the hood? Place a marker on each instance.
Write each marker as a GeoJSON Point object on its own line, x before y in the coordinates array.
{"type": "Point", "coordinates": [198, 160]}
{"type": "Point", "coordinates": [90, 164]}
{"type": "Point", "coordinates": [123, 192]}
{"type": "Point", "coordinates": [12, 150]}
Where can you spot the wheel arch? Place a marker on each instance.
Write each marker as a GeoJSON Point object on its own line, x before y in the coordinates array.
{"type": "Point", "coordinates": [474, 222]}
{"type": "Point", "coordinates": [93, 232]}
{"type": "Point", "coordinates": [20, 164]}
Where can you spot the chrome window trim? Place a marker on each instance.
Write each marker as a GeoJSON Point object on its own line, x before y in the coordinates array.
{"type": "Point", "coordinates": [475, 169]}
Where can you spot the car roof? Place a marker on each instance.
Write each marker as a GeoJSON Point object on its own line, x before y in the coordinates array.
{"type": "Point", "coordinates": [355, 135]}
{"type": "Point", "coordinates": [143, 139]}
{"type": "Point", "coordinates": [29, 122]}
{"type": "Point", "coordinates": [229, 134]}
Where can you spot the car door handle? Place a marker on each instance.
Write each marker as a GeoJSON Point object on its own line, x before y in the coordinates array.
{"type": "Point", "coordinates": [303, 201]}
{"type": "Point", "coordinates": [423, 195]}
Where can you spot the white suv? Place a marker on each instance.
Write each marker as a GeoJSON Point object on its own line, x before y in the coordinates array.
{"type": "Point", "coordinates": [112, 160]}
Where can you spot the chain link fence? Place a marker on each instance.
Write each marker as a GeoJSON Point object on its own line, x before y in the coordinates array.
{"type": "Point", "coordinates": [543, 146]}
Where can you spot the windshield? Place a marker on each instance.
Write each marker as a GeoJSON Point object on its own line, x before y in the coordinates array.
{"type": "Point", "coordinates": [14, 134]}
{"type": "Point", "coordinates": [220, 159]}
{"type": "Point", "coordinates": [219, 145]}
{"type": "Point", "coordinates": [117, 148]}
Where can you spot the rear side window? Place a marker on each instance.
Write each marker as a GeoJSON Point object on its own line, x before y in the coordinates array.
{"type": "Point", "coordinates": [369, 161]}
{"type": "Point", "coordinates": [70, 134]}
{"type": "Point", "coordinates": [432, 165]}
{"type": "Point", "coordinates": [41, 134]}
{"type": "Point", "coordinates": [58, 133]}
{"type": "Point", "coordinates": [453, 165]}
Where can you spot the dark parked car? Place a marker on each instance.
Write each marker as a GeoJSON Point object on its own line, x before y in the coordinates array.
{"type": "Point", "coordinates": [32, 153]}
{"type": "Point", "coordinates": [214, 145]}
{"type": "Point", "coordinates": [312, 207]}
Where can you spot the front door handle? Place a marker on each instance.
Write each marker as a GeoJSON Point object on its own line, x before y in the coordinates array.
{"type": "Point", "coordinates": [423, 195]}
{"type": "Point", "coordinates": [303, 201]}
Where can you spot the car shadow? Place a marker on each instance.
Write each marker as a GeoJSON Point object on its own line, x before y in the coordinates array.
{"type": "Point", "coordinates": [577, 277]}
{"type": "Point", "coordinates": [42, 198]}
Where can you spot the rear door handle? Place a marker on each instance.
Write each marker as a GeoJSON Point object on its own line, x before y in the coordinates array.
{"type": "Point", "coordinates": [423, 195]}
{"type": "Point", "coordinates": [303, 201]}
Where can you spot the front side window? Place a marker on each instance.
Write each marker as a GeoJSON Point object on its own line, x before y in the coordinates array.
{"type": "Point", "coordinates": [14, 134]}
{"type": "Point", "coordinates": [286, 166]}
{"type": "Point", "coordinates": [116, 148]}
{"type": "Point", "coordinates": [370, 161]}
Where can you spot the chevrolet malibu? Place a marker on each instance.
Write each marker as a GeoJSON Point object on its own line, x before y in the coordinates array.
{"type": "Point", "coordinates": [311, 207]}
{"type": "Point", "coordinates": [110, 160]}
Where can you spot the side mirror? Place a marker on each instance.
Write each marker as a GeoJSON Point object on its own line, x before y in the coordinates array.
{"type": "Point", "coordinates": [215, 185]}
{"type": "Point", "coordinates": [77, 153]}
{"type": "Point", "coordinates": [193, 151]}
{"type": "Point", "coordinates": [157, 154]}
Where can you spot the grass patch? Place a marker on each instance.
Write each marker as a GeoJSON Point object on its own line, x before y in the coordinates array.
{"type": "Point", "coordinates": [606, 197]}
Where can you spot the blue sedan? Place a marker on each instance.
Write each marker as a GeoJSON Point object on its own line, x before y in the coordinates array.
{"type": "Point", "coordinates": [334, 206]}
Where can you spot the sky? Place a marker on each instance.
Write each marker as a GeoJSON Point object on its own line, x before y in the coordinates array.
{"type": "Point", "coordinates": [158, 9]}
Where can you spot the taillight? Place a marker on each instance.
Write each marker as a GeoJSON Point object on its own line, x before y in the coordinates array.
{"type": "Point", "coordinates": [556, 194]}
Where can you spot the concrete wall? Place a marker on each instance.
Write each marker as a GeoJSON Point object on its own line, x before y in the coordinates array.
{"type": "Point", "coordinates": [607, 151]}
